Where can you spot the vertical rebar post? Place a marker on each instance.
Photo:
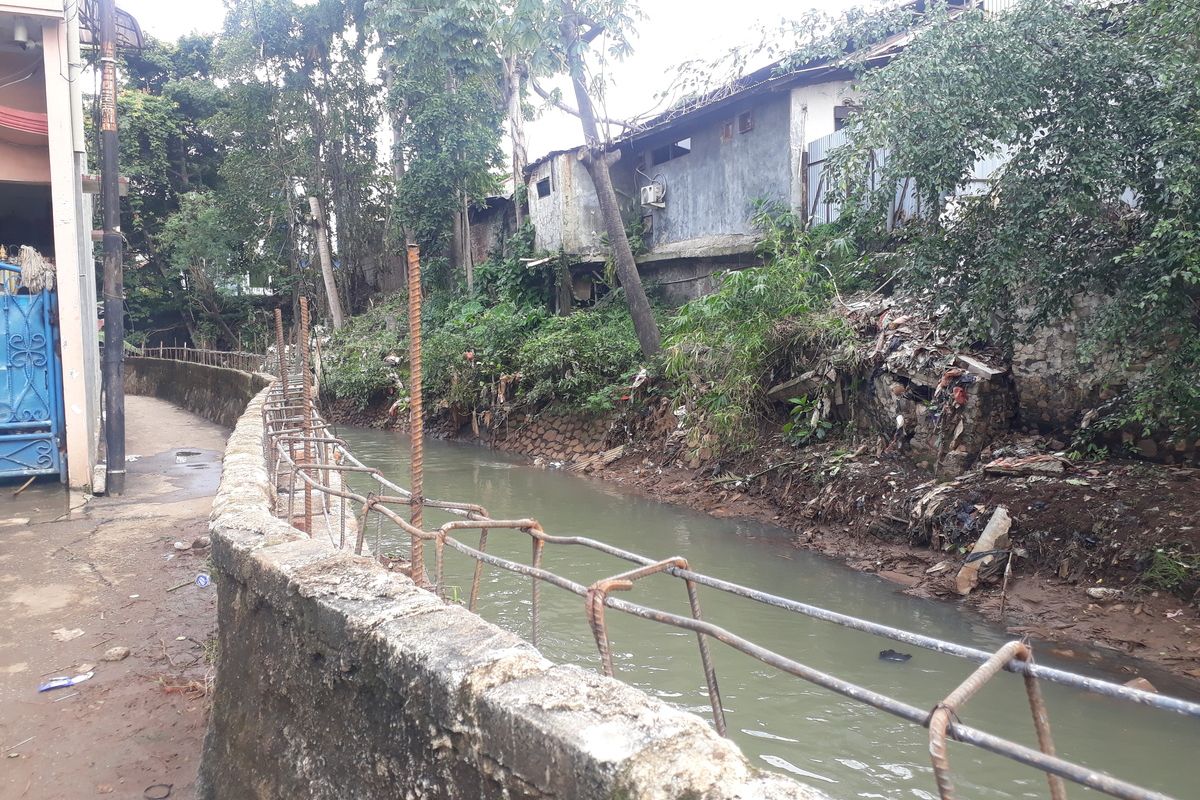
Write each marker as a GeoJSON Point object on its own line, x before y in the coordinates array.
{"type": "Point", "coordinates": [946, 711]}
{"type": "Point", "coordinates": [416, 424]}
{"type": "Point", "coordinates": [307, 412]}
{"type": "Point", "coordinates": [280, 347]}
{"type": "Point", "coordinates": [536, 613]}
{"type": "Point", "coordinates": [710, 673]}
{"type": "Point", "coordinates": [478, 573]}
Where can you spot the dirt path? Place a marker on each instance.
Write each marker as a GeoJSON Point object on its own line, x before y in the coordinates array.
{"type": "Point", "coordinates": [105, 571]}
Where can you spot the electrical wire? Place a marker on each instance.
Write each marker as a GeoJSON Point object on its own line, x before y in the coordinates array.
{"type": "Point", "coordinates": [34, 64]}
{"type": "Point", "coordinates": [19, 80]}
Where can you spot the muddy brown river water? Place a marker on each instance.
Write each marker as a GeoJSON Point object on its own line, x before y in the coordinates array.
{"type": "Point", "coordinates": [781, 722]}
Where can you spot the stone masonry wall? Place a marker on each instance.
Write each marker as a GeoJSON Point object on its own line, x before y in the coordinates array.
{"type": "Point", "coordinates": [218, 394]}
{"type": "Point", "coordinates": [555, 435]}
{"type": "Point", "coordinates": [1058, 384]}
{"type": "Point", "coordinates": [339, 679]}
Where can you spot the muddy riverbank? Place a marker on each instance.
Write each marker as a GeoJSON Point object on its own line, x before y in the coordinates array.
{"type": "Point", "coordinates": [1077, 526]}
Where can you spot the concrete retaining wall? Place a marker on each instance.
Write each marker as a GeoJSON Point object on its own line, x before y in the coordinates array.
{"type": "Point", "coordinates": [339, 679]}
{"type": "Point", "coordinates": [218, 394]}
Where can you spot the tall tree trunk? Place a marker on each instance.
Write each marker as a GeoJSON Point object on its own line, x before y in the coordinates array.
{"type": "Point", "coordinates": [323, 251]}
{"type": "Point", "coordinates": [516, 128]}
{"type": "Point", "coordinates": [596, 162]}
{"type": "Point", "coordinates": [397, 116]}
{"type": "Point", "coordinates": [468, 255]}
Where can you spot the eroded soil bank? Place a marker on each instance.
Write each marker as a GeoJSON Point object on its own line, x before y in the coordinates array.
{"type": "Point", "coordinates": [1077, 526]}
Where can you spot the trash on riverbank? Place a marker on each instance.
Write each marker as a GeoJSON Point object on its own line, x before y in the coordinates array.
{"type": "Point", "coordinates": [986, 551]}
{"type": "Point", "coordinates": [65, 635]}
{"type": "Point", "coordinates": [1040, 464]}
{"type": "Point", "coordinates": [63, 682]}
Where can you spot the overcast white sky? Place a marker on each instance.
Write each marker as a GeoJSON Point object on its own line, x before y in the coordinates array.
{"type": "Point", "coordinates": [672, 32]}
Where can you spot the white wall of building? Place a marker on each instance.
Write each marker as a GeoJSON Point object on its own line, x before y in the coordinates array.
{"type": "Point", "coordinates": [73, 248]}
{"type": "Point", "coordinates": [812, 116]}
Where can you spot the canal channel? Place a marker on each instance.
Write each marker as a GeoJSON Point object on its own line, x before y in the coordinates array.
{"type": "Point", "coordinates": [780, 722]}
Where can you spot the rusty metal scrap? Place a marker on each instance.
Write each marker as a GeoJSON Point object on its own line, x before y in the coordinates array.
{"type": "Point", "coordinates": [945, 711]}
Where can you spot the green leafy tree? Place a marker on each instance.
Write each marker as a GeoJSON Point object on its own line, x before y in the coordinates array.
{"type": "Point", "coordinates": [203, 250]}
{"type": "Point", "coordinates": [301, 120]}
{"type": "Point", "coordinates": [445, 81]}
{"type": "Point", "coordinates": [1091, 111]}
{"type": "Point", "coordinates": [166, 151]}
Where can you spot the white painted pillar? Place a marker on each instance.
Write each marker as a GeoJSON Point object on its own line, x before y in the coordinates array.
{"type": "Point", "coordinates": [77, 321]}
{"type": "Point", "coordinates": [797, 146]}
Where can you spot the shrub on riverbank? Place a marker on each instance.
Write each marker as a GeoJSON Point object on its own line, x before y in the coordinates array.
{"type": "Point", "coordinates": [584, 360]}
{"type": "Point", "coordinates": [355, 362]}
{"type": "Point", "coordinates": [476, 355]}
{"type": "Point", "coordinates": [723, 350]}
{"type": "Point", "coordinates": [502, 345]}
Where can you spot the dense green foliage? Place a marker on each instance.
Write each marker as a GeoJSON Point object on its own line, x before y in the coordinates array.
{"type": "Point", "coordinates": [583, 360]}
{"type": "Point", "coordinates": [470, 347]}
{"type": "Point", "coordinates": [286, 103]}
{"type": "Point", "coordinates": [500, 342]}
{"type": "Point", "coordinates": [354, 365]}
{"type": "Point", "coordinates": [1091, 110]}
{"type": "Point", "coordinates": [223, 138]}
{"type": "Point", "coordinates": [444, 95]}
{"type": "Point", "coordinates": [168, 153]}
{"type": "Point", "coordinates": [723, 350]}
{"type": "Point", "coordinates": [1172, 569]}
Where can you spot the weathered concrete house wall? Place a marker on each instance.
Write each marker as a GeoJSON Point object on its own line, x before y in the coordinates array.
{"type": "Point", "coordinates": [564, 209]}
{"type": "Point", "coordinates": [713, 165]}
{"type": "Point", "coordinates": [738, 156]}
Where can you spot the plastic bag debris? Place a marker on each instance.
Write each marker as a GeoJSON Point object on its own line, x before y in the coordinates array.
{"type": "Point", "coordinates": [63, 682]}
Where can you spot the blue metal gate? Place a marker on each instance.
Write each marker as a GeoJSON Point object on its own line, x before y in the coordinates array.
{"type": "Point", "coordinates": [31, 412]}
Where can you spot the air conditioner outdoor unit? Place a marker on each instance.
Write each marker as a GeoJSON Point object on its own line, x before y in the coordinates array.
{"type": "Point", "coordinates": [654, 195]}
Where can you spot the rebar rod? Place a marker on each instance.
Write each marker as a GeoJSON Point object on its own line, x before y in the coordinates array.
{"type": "Point", "coordinates": [416, 425]}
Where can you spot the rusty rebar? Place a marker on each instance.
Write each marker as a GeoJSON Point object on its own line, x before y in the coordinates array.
{"type": "Point", "coordinates": [307, 421]}
{"type": "Point", "coordinates": [947, 710]}
{"type": "Point", "coordinates": [478, 574]}
{"type": "Point", "coordinates": [594, 604]}
{"type": "Point", "coordinates": [597, 598]}
{"type": "Point", "coordinates": [535, 622]}
{"type": "Point", "coordinates": [1041, 724]}
{"type": "Point", "coordinates": [710, 672]}
{"type": "Point", "coordinates": [416, 424]}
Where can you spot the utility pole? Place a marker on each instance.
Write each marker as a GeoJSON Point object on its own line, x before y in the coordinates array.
{"type": "Point", "coordinates": [114, 278]}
